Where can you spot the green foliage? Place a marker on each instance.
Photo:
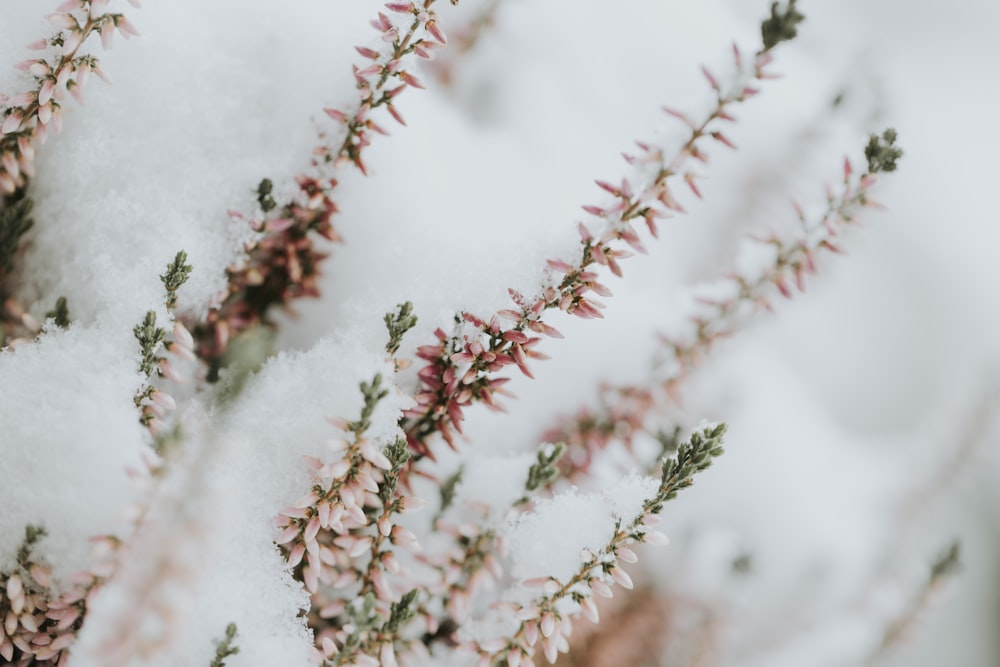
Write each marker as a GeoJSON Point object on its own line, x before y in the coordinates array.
{"type": "Point", "coordinates": [693, 457]}
{"type": "Point", "coordinates": [15, 220]}
{"type": "Point", "coordinates": [32, 534]}
{"type": "Point", "coordinates": [363, 619]}
{"type": "Point", "coordinates": [947, 563]}
{"type": "Point", "coordinates": [447, 491]}
{"type": "Point", "coordinates": [401, 612]}
{"type": "Point", "coordinates": [546, 468]}
{"type": "Point", "coordinates": [669, 442]}
{"type": "Point", "coordinates": [373, 393]}
{"type": "Point", "coordinates": [149, 336]}
{"type": "Point", "coordinates": [60, 313]}
{"type": "Point", "coordinates": [176, 275]}
{"type": "Point", "coordinates": [398, 454]}
{"type": "Point", "coordinates": [225, 647]}
{"type": "Point", "coordinates": [264, 198]}
{"type": "Point", "coordinates": [781, 25]}
{"type": "Point", "coordinates": [882, 153]}
{"type": "Point", "coordinates": [398, 324]}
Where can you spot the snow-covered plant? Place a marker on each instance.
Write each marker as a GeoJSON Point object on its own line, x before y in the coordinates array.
{"type": "Point", "coordinates": [193, 477]}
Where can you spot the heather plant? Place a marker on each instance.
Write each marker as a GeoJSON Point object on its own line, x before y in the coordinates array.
{"type": "Point", "coordinates": [252, 504]}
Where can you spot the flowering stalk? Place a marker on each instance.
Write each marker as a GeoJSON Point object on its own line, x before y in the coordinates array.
{"type": "Point", "coordinates": [26, 118]}
{"type": "Point", "coordinates": [788, 260]}
{"type": "Point", "coordinates": [317, 528]}
{"type": "Point", "coordinates": [460, 369]}
{"type": "Point", "coordinates": [153, 403]}
{"type": "Point", "coordinates": [349, 514]}
{"type": "Point", "coordinates": [282, 264]}
{"type": "Point", "coordinates": [723, 307]}
{"type": "Point", "coordinates": [549, 617]}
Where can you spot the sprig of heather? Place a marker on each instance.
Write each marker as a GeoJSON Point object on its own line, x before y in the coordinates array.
{"type": "Point", "coordinates": [461, 368]}
{"type": "Point", "coordinates": [724, 307]}
{"type": "Point", "coordinates": [283, 263]}
{"type": "Point", "coordinates": [789, 259]}
{"type": "Point", "coordinates": [27, 118]}
{"type": "Point", "coordinates": [549, 617]}
{"type": "Point", "coordinates": [152, 402]}
{"type": "Point", "coordinates": [348, 515]}
{"type": "Point", "coordinates": [339, 534]}
{"type": "Point", "coordinates": [387, 76]}
{"type": "Point", "coordinates": [316, 530]}
{"type": "Point", "coordinates": [225, 647]}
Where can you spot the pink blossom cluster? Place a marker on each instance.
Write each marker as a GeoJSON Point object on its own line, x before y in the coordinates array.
{"type": "Point", "coordinates": [39, 623]}
{"type": "Point", "coordinates": [27, 118]}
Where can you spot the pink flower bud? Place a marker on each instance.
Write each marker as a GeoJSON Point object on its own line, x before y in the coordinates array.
{"type": "Point", "coordinates": [125, 27]}
{"type": "Point", "coordinates": [107, 35]}
{"type": "Point", "coordinates": [589, 609]}
{"type": "Point", "coordinates": [404, 538]}
{"type": "Point", "coordinates": [411, 504]}
{"type": "Point", "coordinates": [410, 79]}
{"type": "Point", "coordinates": [601, 588]}
{"type": "Point", "coordinates": [550, 647]}
{"type": "Point", "coordinates": [387, 655]}
{"type": "Point", "coordinates": [621, 577]}
{"type": "Point", "coordinates": [62, 20]}
{"type": "Point", "coordinates": [12, 123]}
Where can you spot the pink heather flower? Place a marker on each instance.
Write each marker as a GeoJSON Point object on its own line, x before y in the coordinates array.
{"type": "Point", "coordinates": [601, 588]}
{"type": "Point", "coordinates": [64, 20]}
{"type": "Point", "coordinates": [12, 123]}
{"type": "Point", "coordinates": [125, 27]}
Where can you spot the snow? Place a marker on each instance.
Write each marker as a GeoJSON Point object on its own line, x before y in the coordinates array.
{"type": "Point", "coordinates": [494, 482]}
{"type": "Point", "coordinates": [549, 540]}
{"type": "Point", "coordinates": [81, 378]}
{"type": "Point", "coordinates": [828, 403]}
